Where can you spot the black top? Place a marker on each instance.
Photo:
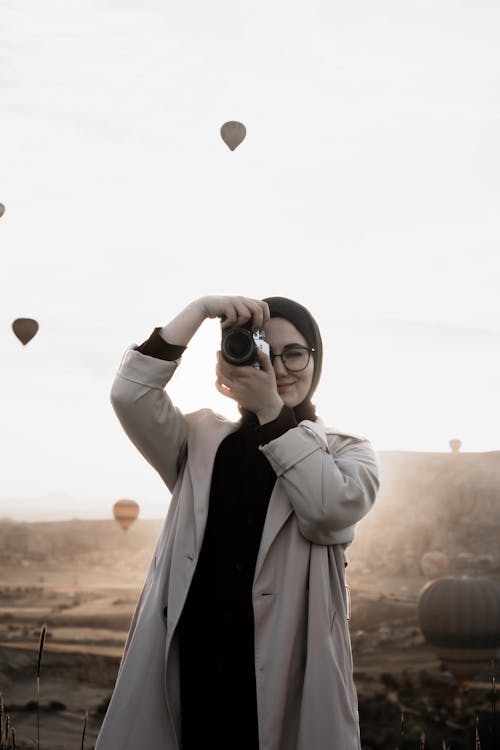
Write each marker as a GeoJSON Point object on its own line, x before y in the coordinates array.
{"type": "Point", "coordinates": [216, 628]}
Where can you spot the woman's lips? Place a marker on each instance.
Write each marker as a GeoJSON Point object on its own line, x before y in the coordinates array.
{"type": "Point", "coordinates": [283, 386]}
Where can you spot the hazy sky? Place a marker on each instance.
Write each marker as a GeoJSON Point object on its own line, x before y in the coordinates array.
{"type": "Point", "coordinates": [367, 188]}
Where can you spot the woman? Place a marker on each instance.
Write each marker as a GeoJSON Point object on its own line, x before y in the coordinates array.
{"type": "Point", "coordinates": [240, 637]}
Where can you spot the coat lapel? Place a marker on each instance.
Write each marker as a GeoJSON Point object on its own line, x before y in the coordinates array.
{"type": "Point", "coordinates": [278, 511]}
{"type": "Point", "coordinates": [201, 456]}
{"type": "Point", "coordinates": [203, 443]}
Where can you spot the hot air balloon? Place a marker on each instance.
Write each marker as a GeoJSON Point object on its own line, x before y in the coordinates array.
{"type": "Point", "coordinates": [2, 210]}
{"type": "Point", "coordinates": [125, 512]}
{"type": "Point", "coordinates": [460, 617]}
{"type": "Point", "coordinates": [455, 445]}
{"type": "Point", "coordinates": [25, 329]}
{"type": "Point", "coordinates": [233, 133]}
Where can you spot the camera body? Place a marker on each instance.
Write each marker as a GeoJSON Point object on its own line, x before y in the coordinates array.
{"type": "Point", "coordinates": [239, 345]}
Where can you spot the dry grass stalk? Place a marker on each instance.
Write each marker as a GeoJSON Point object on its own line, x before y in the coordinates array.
{"type": "Point", "coordinates": [493, 700]}
{"type": "Point", "coordinates": [7, 729]}
{"type": "Point", "coordinates": [402, 726]}
{"type": "Point", "coordinates": [478, 741]}
{"type": "Point", "coordinates": [40, 652]}
{"type": "Point", "coordinates": [1, 721]}
{"type": "Point", "coordinates": [5, 742]}
{"type": "Point", "coordinates": [84, 728]}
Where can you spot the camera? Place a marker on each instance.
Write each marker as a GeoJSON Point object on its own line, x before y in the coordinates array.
{"type": "Point", "coordinates": [239, 345]}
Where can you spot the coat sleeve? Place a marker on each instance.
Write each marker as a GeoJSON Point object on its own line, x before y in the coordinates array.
{"type": "Point", "coordinates": [330, 488]}
{"type": "Point", "coordinates": [154, 425]}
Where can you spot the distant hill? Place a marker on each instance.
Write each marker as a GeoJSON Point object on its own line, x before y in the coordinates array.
{"type": "Point", "coordinates": [433, 501]}
{"type": "Point", "coordinates": [427, 501]}
{"type": "Point", "coordinates": [83, 540]}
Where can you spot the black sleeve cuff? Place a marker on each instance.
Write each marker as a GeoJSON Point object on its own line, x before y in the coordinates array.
{"type": "Point", "coordinates": [271, 430]}
{"type": "Point", "coordinates": [157, 347]}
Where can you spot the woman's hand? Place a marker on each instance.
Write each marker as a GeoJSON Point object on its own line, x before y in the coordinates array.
{"type": "Point", "coordinates": [236, 310]}
{"type": "Point", "coordinates": [253, 388]}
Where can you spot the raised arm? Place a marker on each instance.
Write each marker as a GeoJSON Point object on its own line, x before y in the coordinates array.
{"type": "Point", "coordinates": [154, 425]}
{"type": "Point", "coordinates": [236, 310]}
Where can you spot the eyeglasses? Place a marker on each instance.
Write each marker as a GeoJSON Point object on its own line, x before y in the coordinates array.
{"type": "Point", "coordinates": [294, 359]}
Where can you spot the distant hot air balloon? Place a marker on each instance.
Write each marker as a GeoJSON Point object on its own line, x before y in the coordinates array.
{"type": "Point", "coordinates": [126, 512]}
{"type": "Point", "coordinates": [460, 616]}
{"type": "Point", "coordinates": [233, 133]}
{"type": "Point", "coordinates": [2, 210]}
{"type": "Point", "coordinates": [25, 329]}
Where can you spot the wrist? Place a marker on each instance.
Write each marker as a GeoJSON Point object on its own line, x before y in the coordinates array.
{"type": "Point", "coordinates": [205, 306]}
{"type": "Point", "coordinates": [182, 328]}
{"type": "Point", "coordinates": [270, 412]}
{"type": "Point", "coordinates": [198, 309]}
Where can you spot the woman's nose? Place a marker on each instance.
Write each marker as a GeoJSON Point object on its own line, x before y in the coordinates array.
{"type": "Point", "coordinates": [279, 367]}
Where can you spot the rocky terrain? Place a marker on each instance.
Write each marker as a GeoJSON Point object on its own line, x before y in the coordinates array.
{"type": "Point", "coordinates": [82, 579]}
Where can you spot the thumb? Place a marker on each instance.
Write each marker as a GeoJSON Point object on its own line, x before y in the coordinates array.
{"type": "Point", "coordinates": [265, 361]}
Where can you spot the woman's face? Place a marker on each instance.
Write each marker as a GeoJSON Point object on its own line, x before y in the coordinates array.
{"type": "Point", "coordinates": [293, 387]}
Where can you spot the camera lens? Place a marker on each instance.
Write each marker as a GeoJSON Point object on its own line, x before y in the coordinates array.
{"type": "Point", "coordinates": [238, 347]}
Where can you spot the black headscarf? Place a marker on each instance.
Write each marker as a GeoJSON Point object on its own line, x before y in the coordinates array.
{"type": "Point", "coordinates": [301, 318]}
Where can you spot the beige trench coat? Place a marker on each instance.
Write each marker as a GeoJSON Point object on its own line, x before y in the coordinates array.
{"type": "Point", "coordinates": [326, 482]}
